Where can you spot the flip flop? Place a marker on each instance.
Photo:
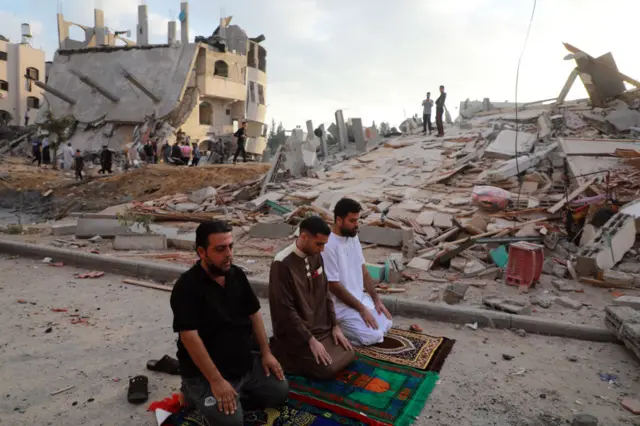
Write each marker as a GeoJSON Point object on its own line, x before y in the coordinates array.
{"type": "Point", "coordinates": [138, 390]}
{"type": "Point", "coordinates": [165, 365]}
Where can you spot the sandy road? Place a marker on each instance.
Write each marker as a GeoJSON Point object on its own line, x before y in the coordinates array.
{"type": "Point", "coordinates": [126, 326]}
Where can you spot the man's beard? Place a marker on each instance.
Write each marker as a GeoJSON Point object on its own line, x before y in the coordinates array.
{"type": "Point", "coordinates": [349, 232]}
{"type": "Point", "coordinates": [215, 271]}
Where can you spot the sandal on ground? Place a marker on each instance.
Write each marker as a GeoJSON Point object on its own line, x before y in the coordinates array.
{"type": "Point", "coordinates": [165, 365]}
{"type": "Point", "coordinates": [138, 390]}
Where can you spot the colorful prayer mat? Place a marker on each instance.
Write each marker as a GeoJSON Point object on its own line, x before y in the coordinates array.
{"type": "Point", "coordinates": [377, 392]}
{"type": "Point", "coordinates": [297, 413]}
{"type": "Point", "coordinates": [412, 349]}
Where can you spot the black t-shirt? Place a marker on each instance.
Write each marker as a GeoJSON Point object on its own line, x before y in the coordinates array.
{"type": "Point", "coordinates": [221, 317]}
{"type": "Point", "coordinates": [240, 134]}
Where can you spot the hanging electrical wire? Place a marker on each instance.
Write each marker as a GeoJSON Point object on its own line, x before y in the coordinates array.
{"type": "Point", "coordinates": [524, 46]}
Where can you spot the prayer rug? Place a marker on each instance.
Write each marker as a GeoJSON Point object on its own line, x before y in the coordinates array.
{"type": "Point", "coordinates": [376, 392]}
{"type": "Point", "coordinates": [297, 413]}
{"type": "Point", "coordinates": [412, 349]}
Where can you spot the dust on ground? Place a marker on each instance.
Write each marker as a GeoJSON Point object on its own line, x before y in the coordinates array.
{"type": "Point", "coordinates": [126, 326]}
{"type": "Point", "coordinates": [97, 192]}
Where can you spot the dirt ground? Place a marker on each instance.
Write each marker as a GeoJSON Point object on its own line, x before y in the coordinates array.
{"type": "Point", "coordinates": [126, 326]}
{"type": "Point", "coordinates": [97, 192]}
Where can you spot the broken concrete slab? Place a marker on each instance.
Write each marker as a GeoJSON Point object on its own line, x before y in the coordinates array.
{"type": "Point", "coordinates": [64, 227]}
{"type": "Point", "coordinates": [271, 230]}
{"type": "Point", "coordinates": [616, 238]}
{"type": "Point", "coordinates": [425, 218]}
{"type": "Point", "coordinates": [185, 207]}
{"type": "Point", "coordinates": [564, 285]}
{"type": "Point", "coordinates": [507, 305]}
{"type": "Point", "coordinates": [630, 301]}
{"type": "Point", "coordinates": [505, 144]}
{"type": "Point", "coordinates": [616, 316]}
{"type": "Point", "coordinates": [420, 263]}
{"type": "Point", "coordinates": [512, 167]}
{"type": "Point", "coordinates": [106, 228]}
{"type": "Point", "coordinates": [443, 220]}
{"type": "Point", "coordinates": [567, 302]}
{"type": "Point", "coordinates": [203, 194]}
{"type": "Point", "coordinates": [269, 196]}
{"type": "Point", "coordinates": [388, 237]}
{"type": "Point", "coordinates": [629, 267]}
{"type": "Point", "coordinates": [140, 242]}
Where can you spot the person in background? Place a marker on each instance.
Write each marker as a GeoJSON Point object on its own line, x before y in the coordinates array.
{"type": "Point", "coordinates": [105, 160]}
{"type": "Point", "coordinates": [67, 155]}
{"type": "Point", "coordinates": [79, 164]}
{"type": "Point", "coordinates": [26, 117]}
{"type": "Point", "coordinates": [218, 320]}
{"type": "Point", "coordinates": [221, 151]}
{"type": "Point", "coordinates": [36, 149]}
{"type": "Point", "coordinates": [241, 138]}
{"type": "Point", "coordinates": [149, 154]}
{"type": "Point", "coordinates": [46, 153]}
{"type": "Point", "coordinates": [427, 104]}
{"type": "Point", "coordinates": [440, 111]}
{"type": "Point", "coordinates": [176, 154]}
{"type": "Point", "coordinates": [186, 152]}
{"type": "Point", "coordinates": [166, 152]}
{"type": "Point", "coordinates": [196, 154]}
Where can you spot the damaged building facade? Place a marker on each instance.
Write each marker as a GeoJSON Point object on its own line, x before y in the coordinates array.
{"type": "Point", "coordinates": [19, 97]}
{"type": "Point", "coordinates": [122, 94]}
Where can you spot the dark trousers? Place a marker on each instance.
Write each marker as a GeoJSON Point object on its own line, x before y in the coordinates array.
{"type": "Point", "coordinates": [240, 150]}
{"type": "Point", "coordinates": [78, 174]}
{"type": "Point", "coordinates": [426, 122]}
{"type": "Point", "coordinates": [105, 168]}
{"type": "Point", "coordinates": [195, 161]}
{"type": "Point", "coordinates": [37, 156]}
{"type": "Point", "coordinates": [46, 155]}
{"type": "Point", "coordinates": [439, 112]}
{"type": "Point", "coordinates": [255, 391]}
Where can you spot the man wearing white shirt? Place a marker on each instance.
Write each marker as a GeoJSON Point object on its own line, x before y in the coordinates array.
{"type": "Point", "coordinates": [363, 318]}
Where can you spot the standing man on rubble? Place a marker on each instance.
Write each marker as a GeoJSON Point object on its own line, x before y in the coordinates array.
{"type": "Point", "coordinates": [427, 104]}
{"type": "Point", "coordinates": [362, 316]}
{"type": "Point", "coordinates": [440, 111]}
{"type": "Point", "coordinates": [67, 155]}
{"type": "Point", "coordinates": [105, 160]}
{"type": "Point", "coordinates": [79, 164]}
{"type": "Point", "coordinates": [241, 138]}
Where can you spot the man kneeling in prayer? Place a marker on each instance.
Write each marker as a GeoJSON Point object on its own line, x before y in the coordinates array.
{"type": "Point", "coordinates": [360, 312]}
{"type": "Point", "coordinates": [307, 339]}
{"type": "Point", "coordinates": [216, 315]}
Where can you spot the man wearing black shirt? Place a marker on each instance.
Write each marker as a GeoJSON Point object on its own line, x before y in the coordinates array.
{"type": "Point", "coordinates": [241, 138]}
{"type": "Point", "coordinates": [216, 315]}
{"type": "Point", "coordinates": [440, 111]}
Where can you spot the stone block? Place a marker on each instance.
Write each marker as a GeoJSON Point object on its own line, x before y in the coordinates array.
{"type": "Point", "coordinates": [631, 404]}
{"type": "Point", "coordinates": [389, 237]}
{"type": "Point", "coordinates": [567, 302]}
{"type": "Point", "coordinates": [618, 278]}
{"type": "Point", "coordinates": [182, 241]}
{"type": "Point", "coordinates": [629, 267]}
{"type": "Point", "coordinates": [269, 196]}
{"type": "Point", "coordinates": [425, 218]}
{"type": "Point", "coordinates": [106, 228]}
{"type": "Point", "coordinates": [454, 293]}
{"type": "Point", "coordinates": [630, 301]}
{"type": "Point", "coordinates": [443, 220]}
{"type": "Point", "coordinates": [564, 285]}
{"type": "Point", "coordinates": [508, 305]}
{"type": "Point", "coordinates": [140, 242]}
{"type": "Point", "coordinates": [64, 227]}
{"type": "Point", "coordinates": [271, 230]}
{"type": "Point", "coordinates": [616, 316]}
{"type": "Point", "coordinates": [584, 420]}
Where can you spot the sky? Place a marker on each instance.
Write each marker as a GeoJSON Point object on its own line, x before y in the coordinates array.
{"type": "Point", "coordinates": [376, 59]}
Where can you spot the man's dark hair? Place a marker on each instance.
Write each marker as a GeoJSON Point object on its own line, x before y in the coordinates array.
{"type": "Point", "coordinates": [442, 87]}
{"type": "Point", "coordinates": [428, 93]}
{"type": "Point", "coordinates": [207, 228]}
{"type": "Point", "coordinates": [314, 225]}
{"type": "Point", "coordinates": [346, 206]}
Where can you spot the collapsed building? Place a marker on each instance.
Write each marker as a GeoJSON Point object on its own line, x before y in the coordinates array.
{"type": "Point", "coordinates": [125, 94]}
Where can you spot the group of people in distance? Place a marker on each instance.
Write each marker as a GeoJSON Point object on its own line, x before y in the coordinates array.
{"type": "Point", "coordinates": [322, 301]}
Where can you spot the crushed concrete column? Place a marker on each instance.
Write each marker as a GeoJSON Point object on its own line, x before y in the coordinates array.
{"type": "Point", "coordinates": [99, 29]}
{"type": "Point", "coordinates": [310, 134]}
{"type": "Point", "coordinates": [54, 92]}
{"type": "Point", "coordinates": [142, 34]}
{"type": "Point", "coordinates": [171, 33]}
{"type": "Point", "coordinates": [342, 130]}
{"type": "Point", "coordinates": [89, 82]}
{"type": "Point", "coordinates": [323, 141]}
{"type": "Point", "coordinates": [184, 22]}
{"type": "Point", "coordinates": [133, 80]}
{"type": "Point", "coordinates": [358, 134]}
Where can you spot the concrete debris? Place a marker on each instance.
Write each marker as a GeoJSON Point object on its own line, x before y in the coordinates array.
{"type": "Point", "coordinates": [271, 230]}
{"type": "Point", "coordinates": [106, 228]}
{"type": "Point", "coordinates": [454, 293]}
{"type": "Point", "coordinates": [631, 301]}
{"type": "Point", "coordinates": [507, 305]}
{"type": "Point", "coordinates": [140, 242]}
{"type": "Point", "coordinates": [568, 302]}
